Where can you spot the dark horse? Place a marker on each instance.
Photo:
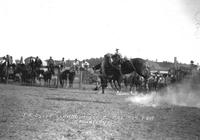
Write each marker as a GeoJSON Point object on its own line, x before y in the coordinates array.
{"type": "Point", "coordinates": [110, 72]}
{"type": "Point", "coordinates": [25, 72]}
{"type": "Point", "coordinates": [140, 66]}
{"type": "Point", "coordinates": [121, 66]}
{"type": "Point", "coordinates": [3, 71]}
{"type": "Point", "coordinates": [67, 74]}
{"type": "Point", "coordinates": [133, 79]}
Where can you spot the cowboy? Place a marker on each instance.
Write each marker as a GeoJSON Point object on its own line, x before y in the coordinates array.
{"type": "Point", "coordinates": [21, 60]}
{"type": "Point", "coordinates": [116, 60]}
{"type": "Point", "coordinates": [85, 65]}
{"type": "Point", "coordinates": [8, 59]}
{"type": "Point", "coordinates": [38, 62]}
{"type": "Point", "coordinates": [117, 53]}
{"type": "Point", "coordinates": [50, 64]}
{"type": "Point", "coordinates": [50, 61]}
{"type": "Point", "coordinates": [62, 65]}
{"type": "Point", "coordinates": [76, 64]}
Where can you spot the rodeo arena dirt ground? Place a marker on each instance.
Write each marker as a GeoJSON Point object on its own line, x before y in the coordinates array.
{"type": "Point", "coordinates": [41, 113]}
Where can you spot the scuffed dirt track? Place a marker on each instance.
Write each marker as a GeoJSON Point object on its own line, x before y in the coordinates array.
{"type": "Point", "coordinates": [29, 113]}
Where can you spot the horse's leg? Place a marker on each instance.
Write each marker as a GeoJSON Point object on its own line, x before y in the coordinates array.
{"type": "Point", "coordinates": [61, 83]}
{"type": "Point", "coordinates": [146, 85]}
{"type": "Point", "coordinates": [119, 83]}
{"type": "Point", "coordinates": [49, 82]}
{"type": "Point", "coordinates": [117, 86]}
{"type": "Point", "coordinates": [54, 82]}
{"type": "Point", "coordinates": [103, 84]}
{"type": "Point", "coordinates": [70, 83]}
{"type": "Point", "coordinates": [98, 85]}
{"type": "Point", "coordinates": [57, 82]}
{"type": "Point", "coordinates": [111, 84]}
{"type": "Point", "coordinates": [66, 82]}
{"type": "Point", "coordinates": [103, 88]}
{"type": "Point", "coordinates": [131, 86]}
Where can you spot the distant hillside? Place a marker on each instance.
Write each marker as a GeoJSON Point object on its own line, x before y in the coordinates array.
{"type": "Point", "coordinates": [161, 66]}
{"type": "Point", "coordinates": [164, 66]}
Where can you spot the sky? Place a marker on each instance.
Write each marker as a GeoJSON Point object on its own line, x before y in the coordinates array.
{"type": "Point", "coordinates": [151, 29]}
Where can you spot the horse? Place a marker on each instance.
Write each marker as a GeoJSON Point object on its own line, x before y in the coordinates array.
{"type": "Point", "coordinates": [143, 69]}
{"type": "Point", "coordinates": [55, 76]}
{"type": "Point", "coordinates": [133, 79]}
{"type": "Point", "coordinates": [67, 74]}
{"type": "Point", "coordinates": [64, 77]}
{"type": "Point", "coordinates": [47, 77]}
{"type": "Point", "coordinates": [138, 65]}
{"type": "Point", "coordinates": [97, 79]}
{"type": "Point", "coordinates": [32, 68]}
{"type": "Point", "coordinates": [3, 71]}
{"type": "Point", "coordinates": [11, 69]}
{"type": "Point", "coordinates": [6, 68]}
{"type": "Point", "coordinates": [72, 73]}
{"type": "Point", "coordinates": [25, 73]}
{"type": "Point", "coordinates": [110, 73]}
{"type": "Point", "coordinates": [51, 76]}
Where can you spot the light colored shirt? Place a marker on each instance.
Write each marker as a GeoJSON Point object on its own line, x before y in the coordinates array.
{"type": "Point", "coordinates": [76, 63]}
{"type": "Point", "coordinates": [85, 64]}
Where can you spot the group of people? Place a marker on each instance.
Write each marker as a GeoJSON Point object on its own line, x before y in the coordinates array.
{"type": "Point", "coordinates": [8, 59]}
{"type": "Point", "coordinates": [76, 64]}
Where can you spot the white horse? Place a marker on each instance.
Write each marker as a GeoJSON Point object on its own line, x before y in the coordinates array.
{"type": "Point", "coordinates": [55, 77]}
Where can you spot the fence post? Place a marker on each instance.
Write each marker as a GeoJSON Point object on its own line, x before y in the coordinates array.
{"type": "Point", "coordinates": [80, 79]}
{"type": "Point", "coordinates": [7, 75]}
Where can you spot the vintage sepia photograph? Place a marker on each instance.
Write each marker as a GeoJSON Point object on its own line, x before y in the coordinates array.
{"type": "Point", "coordinates": [99, 70]}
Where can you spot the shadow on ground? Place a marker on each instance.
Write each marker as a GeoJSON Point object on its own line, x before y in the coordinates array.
{"type": "Point", "coordinates": [77, 100]}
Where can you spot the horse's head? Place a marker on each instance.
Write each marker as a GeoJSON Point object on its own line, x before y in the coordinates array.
{"type": "Point", "coordinates": [72, 69]}
{"type": "Point", "coordinates": [97, 67]}
{"type": "Point", "coordinates": [146, 70]}
{"type": "Point", "coordinates": [108, 58]}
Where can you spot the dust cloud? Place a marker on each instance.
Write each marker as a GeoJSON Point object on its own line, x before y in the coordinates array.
{"type": "Point", "coordinates": [186, 93]}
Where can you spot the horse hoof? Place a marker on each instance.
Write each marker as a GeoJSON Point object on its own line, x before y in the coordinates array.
{"type": "Point", "coordinates": [118, 92]}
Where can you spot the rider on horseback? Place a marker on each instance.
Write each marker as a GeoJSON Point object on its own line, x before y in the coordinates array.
{"type": "Point", "coordinates": [38, 62]}
{"type": "Point", "coordinates": [62, 65]}
{"type": "Point", "coordinates": [85, 65]}
{"type": "Point", "coordinates": [50, 64]}
{"type": "Point", "coordinates": [8, 59]}
{"type": "Point", "coordinates": [117, 60]}
{"type": "Point", "coordinates": [76, 65]}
